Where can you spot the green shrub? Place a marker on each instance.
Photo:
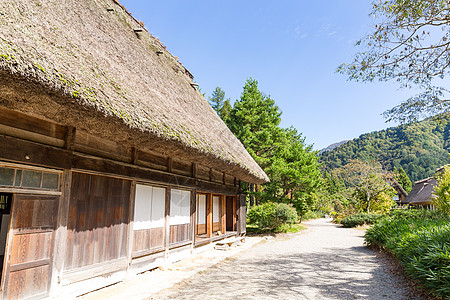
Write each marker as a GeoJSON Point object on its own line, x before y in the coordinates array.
{"type": "Point", "coordinates": [421, 242]}
{"type": "Point", "coordinates": [313, 215]}
{"type": "Point", "coordinates": [360, 219]}
{"type": "Point", "coordinates": [442, 199]}
{"type": "Point", "coordinates": [272, 215]}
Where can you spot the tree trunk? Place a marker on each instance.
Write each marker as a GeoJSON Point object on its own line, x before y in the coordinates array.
{"type": "Point", "coordinates": [256, 198]}
{"type": "Point", "coordinates": [368, 203]}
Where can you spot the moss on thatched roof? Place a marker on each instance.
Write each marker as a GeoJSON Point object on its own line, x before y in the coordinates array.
{"type": "Point", "coordinates": [93, 56]}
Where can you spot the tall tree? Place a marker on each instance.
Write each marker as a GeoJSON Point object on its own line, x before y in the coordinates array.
{"type": "Point", "coordinates": [368, 179]}
{"type": "Point", "coordinates": [410, 44]}
{"type": "Point", "coordinates": [402, 178]}
{"type": "Point", "coordinates": [254, 120]}
{"type": "Point", "coordinates": [293, 170]}
{"type": "Point", "coordinates": [221, 105]}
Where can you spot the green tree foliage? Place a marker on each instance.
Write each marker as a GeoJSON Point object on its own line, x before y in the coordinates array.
{"type": "Point", "coordinates": [254, 120]}
{"type": "Point", "coordinates": [302, 207]}
{"type": "Point", "coordinates": [442, 191]}
{"type": "Point", "coordinates": [409, 44]}
{"type": "Point", "coordinates": [402, 178]}
{"type": "Point", "coordinates": [419, 148]}
{"type": "Point", "coordinates": [293, 170]}
{"type": "Point", "coordinates": [292, 166]}
{"type": "Point", "coordinates": [221, 105]}
{"type": "Point", "coordinates": [369, 181]}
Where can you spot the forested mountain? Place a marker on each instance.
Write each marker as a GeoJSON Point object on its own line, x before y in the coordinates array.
{"type": "Point", "coordinates": [332, 146]}
{"type": "Point", "coordinates": [420, 148]}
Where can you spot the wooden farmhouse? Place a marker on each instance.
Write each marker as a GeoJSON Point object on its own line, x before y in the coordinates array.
{"type": "Point", "coordinates": [111, 161]}
{"type": "Point", "coordinates": [422, 193]}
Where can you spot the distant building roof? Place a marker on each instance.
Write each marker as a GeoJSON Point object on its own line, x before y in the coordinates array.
{"type": "Point", "coordinates": [422, 192]}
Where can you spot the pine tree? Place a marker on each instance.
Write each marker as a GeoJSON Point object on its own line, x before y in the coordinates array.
{"type": "Point", "coordinates": [221, 105]}
{"type": "Point", "coordinates": [254, 120]}
{"type": "Point", "coordinates": [403, 179]}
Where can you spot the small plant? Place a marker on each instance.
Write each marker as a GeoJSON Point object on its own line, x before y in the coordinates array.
{"type": "Point", "coordinates": [270, 215]}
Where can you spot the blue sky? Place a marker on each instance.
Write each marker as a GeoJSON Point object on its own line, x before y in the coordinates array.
{"type": "Point", "coordinates": [292, 47]}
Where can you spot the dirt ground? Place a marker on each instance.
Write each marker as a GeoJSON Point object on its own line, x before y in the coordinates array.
{"type": "Point", "coordinates": [325, 262]}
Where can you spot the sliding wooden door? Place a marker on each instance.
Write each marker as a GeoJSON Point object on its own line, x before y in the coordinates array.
{"type": "Point", "coordinates": [28, 266]}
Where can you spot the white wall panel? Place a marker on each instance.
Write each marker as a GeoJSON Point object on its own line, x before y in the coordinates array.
{"type": "Point", "coordinates": [216, 205]}
{"type": "Point", "coordinates": [180, 207]}
{"type": "Point", "coordinates": [201, 209]}
{"type": "Point", "coordinates": [142, 207]}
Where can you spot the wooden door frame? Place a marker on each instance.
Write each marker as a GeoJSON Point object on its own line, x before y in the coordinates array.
{"type": "Point", "coordinates": [9, 244]}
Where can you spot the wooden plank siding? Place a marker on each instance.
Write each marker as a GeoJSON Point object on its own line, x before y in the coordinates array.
{"type": "Point", "coordinates": [90, 226]}
{"type": "Point", "coordinates": [98, 220]}
{"type": "Point", "coordinates": [179, 234]}
{"type": "Point", "coordinates": [30, 246]}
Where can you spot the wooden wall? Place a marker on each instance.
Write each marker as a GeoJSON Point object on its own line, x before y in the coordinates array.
{"type": "Point", "coordinates": [98, 208]}
{"type": "Point", "coordinates": [179, 233]}
{"type": "Point", "coordinates": [98, 220]}
{"type": "Point", "coordinates": [30, 246]}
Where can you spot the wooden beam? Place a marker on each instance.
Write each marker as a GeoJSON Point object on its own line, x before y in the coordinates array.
{"type": "Point", "coordinates": [17, 150]}
{"type": "Point", "coordinates": [31, 153]}
{"type": "Point", "coordinates": [69, 139]}
{"type": "Point", "coordinates": [209, 215]}
{"type": "Point", "coordinates": [32, 124]}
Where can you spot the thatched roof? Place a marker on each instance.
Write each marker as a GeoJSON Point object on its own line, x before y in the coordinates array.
{"type": "Point", "coordinates": [422, 192]}
{"type": "Point", "coordinates": [91, 65]}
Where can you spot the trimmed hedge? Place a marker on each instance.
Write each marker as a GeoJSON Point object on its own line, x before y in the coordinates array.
{"type": "Point", "coordinates": [272, 215]}
{"type": "Point", "coordinates": [360, 219]}
{"type": "Point", "coordinates": [421, 242]}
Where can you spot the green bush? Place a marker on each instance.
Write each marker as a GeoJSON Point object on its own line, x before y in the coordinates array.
{"type": "Point", "coordinates": [272, 215]}
{"type": "Point", "coordinates": [313, 215]}
{"type": "Point", "coordinates": [421, 242]}
{"type": "Point", "coordinates": [359, 219]}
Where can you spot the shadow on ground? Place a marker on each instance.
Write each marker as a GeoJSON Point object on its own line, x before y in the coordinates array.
{"type": "Point", "coordinates": [332, 274]}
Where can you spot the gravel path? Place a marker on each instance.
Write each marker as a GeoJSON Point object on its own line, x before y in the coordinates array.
{"type": "Point", "coordinates": [325, 262]}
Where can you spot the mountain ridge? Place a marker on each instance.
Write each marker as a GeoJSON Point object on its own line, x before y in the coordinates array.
{"type": "Point", "coordinates": [419, 148]}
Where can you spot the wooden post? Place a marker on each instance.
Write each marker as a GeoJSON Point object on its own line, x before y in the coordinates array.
{"type": "Point", "coordinates": [61, 232]}
{"type": "Point", "coordinates": [167, 222]}
{"type": "Point", "coordinates": [209, 216]}
{"type": "Point", "coordinates": [193, 214]}
{"type": "Point", "coordinates": [223, 214]}
{"type": "Point", "coordinates": [241, 214]}
{"type": "Point", "coordinates": [130, 224]}
{"type": "Point", "coordinates": [234, 213]}
{"type": "Point", "coordinates": [169, 164]}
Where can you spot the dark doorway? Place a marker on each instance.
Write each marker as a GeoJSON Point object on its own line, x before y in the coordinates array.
{"type": "Point", "coordinates": [5, 213]}
{"type": "Point", "coordinates": [231, 213]}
